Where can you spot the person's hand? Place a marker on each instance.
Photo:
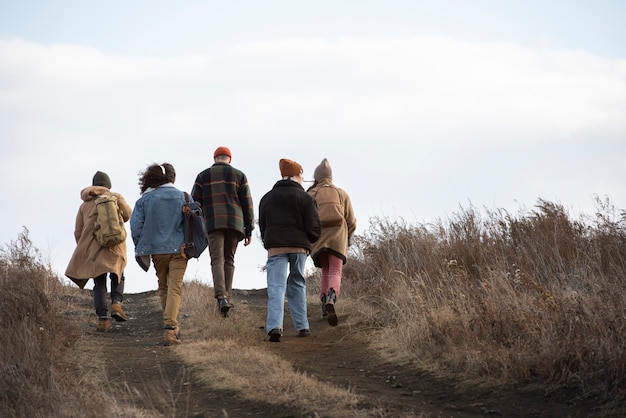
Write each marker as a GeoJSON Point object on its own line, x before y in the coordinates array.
{"type": "Point", "coordinates": [246, 241]}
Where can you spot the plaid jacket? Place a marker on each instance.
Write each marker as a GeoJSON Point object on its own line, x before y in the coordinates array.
{"type": "Point", "coordinates": [224, 194]}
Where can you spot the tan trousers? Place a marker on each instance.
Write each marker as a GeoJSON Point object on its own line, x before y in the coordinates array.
{"type": "Point", "coordinates": [170, 269]}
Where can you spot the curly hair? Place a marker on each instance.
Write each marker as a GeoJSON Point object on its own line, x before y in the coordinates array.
{"type": "Point", "coordinates": [156, 175]}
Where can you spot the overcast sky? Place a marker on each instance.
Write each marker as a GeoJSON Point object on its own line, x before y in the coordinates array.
{"type": "Point", "coordinates": [421, 107]}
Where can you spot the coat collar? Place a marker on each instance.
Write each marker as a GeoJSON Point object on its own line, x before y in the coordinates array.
{"type": "Point", "coordinates": [288, 183]}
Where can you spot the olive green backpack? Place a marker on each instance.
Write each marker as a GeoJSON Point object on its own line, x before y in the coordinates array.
{"type": "Point", "coordinates": [109, 224]}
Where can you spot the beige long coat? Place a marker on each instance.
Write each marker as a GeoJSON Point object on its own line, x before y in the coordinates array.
{"type": "Point", "coordinates": [89, 259]}
{"type": "Point", "coordinates": [334, 239]}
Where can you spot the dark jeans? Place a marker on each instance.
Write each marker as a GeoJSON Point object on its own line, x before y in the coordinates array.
{"type": "Point", "coordinates": [100, 292]}
{"type": "Point", "coordinates": [222, 247]}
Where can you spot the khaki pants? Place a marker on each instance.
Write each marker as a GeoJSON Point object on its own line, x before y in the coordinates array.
{"type": "Point", "coordinates": [170, 269]}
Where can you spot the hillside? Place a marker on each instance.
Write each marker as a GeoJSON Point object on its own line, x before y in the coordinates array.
{"type": "Point", "coordinates": [479, 315]}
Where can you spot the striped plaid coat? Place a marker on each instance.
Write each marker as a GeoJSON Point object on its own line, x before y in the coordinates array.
{"type": "Point", "coordinates": [224, 194]}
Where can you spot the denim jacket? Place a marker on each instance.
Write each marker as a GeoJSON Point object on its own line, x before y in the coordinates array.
{"type": "Point", "coordinates": [156, 224]}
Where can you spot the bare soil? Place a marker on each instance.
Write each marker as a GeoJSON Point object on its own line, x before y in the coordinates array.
{"type": "Point", "coordinates": [138, 367]}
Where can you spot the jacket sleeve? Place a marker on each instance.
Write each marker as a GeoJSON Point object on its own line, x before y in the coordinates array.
{"type": "Point", "coordinates": [78, 225]}
{"type": "Point", "coordinates": [261, 220]}
{"type": "Point", "coordinates": [196, 191]}
{"type": "Point", "coordinates": [124, 207]}
{"type": "Point", "coordinates": [247, 206]}
{"type": "Point", "coordinates": [349, 215]}
{"type": "Point", "coordinates": [136, 222]}
{"type": "Point", "coordinates": [313, 226]}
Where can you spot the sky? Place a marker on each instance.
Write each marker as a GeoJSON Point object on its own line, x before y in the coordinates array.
{"type": "Point", "coordinates": [422, 108]}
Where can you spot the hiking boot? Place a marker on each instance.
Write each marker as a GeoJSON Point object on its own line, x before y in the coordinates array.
{"type": "Point", "coordinates": [171, 335]}
{"type": "Point", "coordinates": [324, 314]}
{"type": "Point", "coordinates": [275, 335]}
{"type": "Point", "coordinates": [224, 306]}
{"type": "Point", "coordinates": [117, 312]}
{"type": "Point", "coordinates": [330, 308]}
{"type": "Point", "coordinates": [103, 324]}
{"type": "Point", "coordinates": [304, 332]}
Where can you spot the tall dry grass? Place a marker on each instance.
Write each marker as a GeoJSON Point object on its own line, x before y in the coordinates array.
{"type": "Point", "coordinates": [35, 378]}
{"type": "Point", "coordinates": [536, 296]}
{"type": "Point", "coordinates": [43, 370]}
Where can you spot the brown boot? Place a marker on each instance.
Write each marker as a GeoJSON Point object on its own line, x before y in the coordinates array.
{"type": "Point", "coordinates": [171, 335]}
{"type": "Point", "coordinates": [117, 313]}
{"type": "Point", "coordinates": [103, 325]}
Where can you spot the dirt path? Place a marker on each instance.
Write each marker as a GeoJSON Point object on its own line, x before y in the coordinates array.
{"type": "Point", "coordinates": [144, 371]}
{"type": "Point", "coordinates": [151, 375]}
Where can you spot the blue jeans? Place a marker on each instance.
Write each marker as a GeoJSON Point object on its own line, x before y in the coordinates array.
{"type": "Point", "coordinates": [285, 277]}
{"type": "Point", "coordinates": [100, 292]}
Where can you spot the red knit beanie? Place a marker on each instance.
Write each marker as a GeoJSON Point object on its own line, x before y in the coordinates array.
{"type": "Point", "coordinates": [222, 151]}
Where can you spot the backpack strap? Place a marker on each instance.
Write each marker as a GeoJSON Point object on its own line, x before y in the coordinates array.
{"type": "Point", "coordinates": [186, 211]}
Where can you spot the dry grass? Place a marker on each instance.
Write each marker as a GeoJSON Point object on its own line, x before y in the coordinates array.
{"type": "Point", "coordinates": [45, 370]}
{"type": "Point", "coordinates": [34, 374]}
{"type": "Point", "coordinates": [485, 296]}
{"type": "Point", "coordinates": [532, 297]}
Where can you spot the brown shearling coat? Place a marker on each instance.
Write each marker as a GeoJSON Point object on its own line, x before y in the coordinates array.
{"type": "Point", "coordinates": [334, 239]}
{"type": "Point", "coordinates": [89, 259]}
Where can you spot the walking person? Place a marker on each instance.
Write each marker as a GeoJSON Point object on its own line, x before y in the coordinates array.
{"type": "Point", "coordinates": [157, 231]}
{"type": "Point", "coordinates": [289, 223]}
{"type": "Point", "coordinates": [224, 194]}
{"type": "Point", "coordinates": [91, 260]}
{"type": "Point", "coordinates": [330, 252]}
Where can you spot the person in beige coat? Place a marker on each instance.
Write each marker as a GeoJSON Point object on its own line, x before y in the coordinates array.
{"type": "Point", "coordinates": [91, 261]}
{"type": "Point", "coordinates": [330, 251]}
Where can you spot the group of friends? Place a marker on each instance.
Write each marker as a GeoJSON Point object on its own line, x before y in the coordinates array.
{"type": "Point", "coordinates": [289, 225]}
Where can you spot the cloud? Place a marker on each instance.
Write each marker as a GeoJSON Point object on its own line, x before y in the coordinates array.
{"type": "Point", "coordinates": [414, 126]}
{"type": "Point", "coordinates": [438, 86]}
{"type": "Point", "coordinates": [433, 84]}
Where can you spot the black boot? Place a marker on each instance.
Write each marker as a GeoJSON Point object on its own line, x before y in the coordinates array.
{"type": "Point", "coordinates": [223, 306]}
{"type": "Point", "coordinates": [330, 307]}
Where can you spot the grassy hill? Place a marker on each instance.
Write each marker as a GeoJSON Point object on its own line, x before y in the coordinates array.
{"type": "Point", "coordinates": [485, 298]}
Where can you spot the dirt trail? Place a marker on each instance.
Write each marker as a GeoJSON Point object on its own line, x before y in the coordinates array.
{"type": "Point", "coordinates": [132, 352]}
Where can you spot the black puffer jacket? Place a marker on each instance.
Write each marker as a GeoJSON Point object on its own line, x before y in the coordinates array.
{"type": "Point", "coordinates": [288, 217]}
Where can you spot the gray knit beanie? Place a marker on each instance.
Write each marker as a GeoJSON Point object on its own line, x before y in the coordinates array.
{"type": "Point", "coordinates": [323, 171]}
{"type": "Point", "coordinates": [101, 179]}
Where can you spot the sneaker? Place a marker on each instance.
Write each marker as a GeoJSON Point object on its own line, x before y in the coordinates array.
{"type": "Point", "coordinates": [304, 332]}
{"type": "Point", "coordinates": [118, 313]}
{"type": "Point", "coordinates": [103, 325]}
{"type": "Point", "coordinates": [330, 308]}
{"type": "Point", "coordinates": [324, 314]}
{"type": "Point", "coordinates": [171, 335]}
{"type": "Point", "coordinates": [224, 306]}
{"type": "Point", "coordinates": [275, 335]}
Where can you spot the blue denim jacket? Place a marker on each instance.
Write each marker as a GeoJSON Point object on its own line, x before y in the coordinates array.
{"type": "Point", "coordinates": [156, 224]}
